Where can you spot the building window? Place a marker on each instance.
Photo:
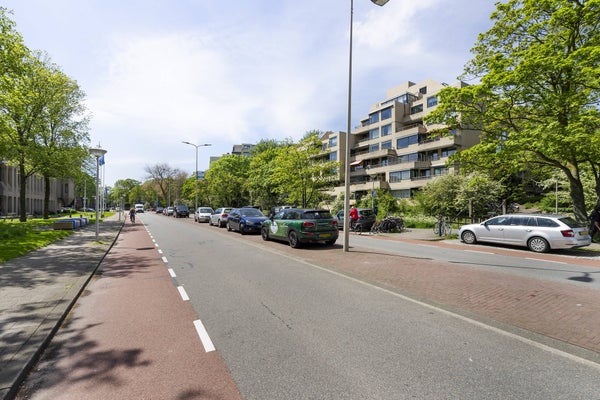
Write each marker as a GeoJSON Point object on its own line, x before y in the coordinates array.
{"type": "Point", "coordinates": [386, 113]}
{"type": "Point", "coordinates": [401, 194]}
{"type": "Point", "coordinates": [423, 90]}
{"type": "Point", "coordinates": [416, 109]}
{"type": "Point", "coordinates": [374, 147]}
{"type": "Point", "coordinates": [432, 101]}
{"type": "Point", "coordinates": [399, 176]}
{"type": "Point", "coordinates": [412, 157]}
{"type": "Point", "coordinates": [448, 152]}
{"type": "Point", "coordinates": [407, 141]}
{"type": "Point", "coordinates": [386, 145]}
{"type": "Point", "coordinates": [373, 118]}
{"type": "Point", "coordinates": [333, 141]}
{"type": "Point", "coordinates": [386, 130]}
{"type": "Point", "coordinates": [333, 156]}
{"type": "Point", "coordinates": [374, 133]}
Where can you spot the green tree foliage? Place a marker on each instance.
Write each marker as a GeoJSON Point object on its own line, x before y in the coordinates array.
{"type": "Point", "coordinates": [537, 100]}
{"type": "Point", "coordinates": [261, 178]}
{"type": "Point", "coordinates": [452, 195]}
{"type": "Point", "coordinates": [226, 181]}
{"type": "Point", "coordinates": [301, 175]}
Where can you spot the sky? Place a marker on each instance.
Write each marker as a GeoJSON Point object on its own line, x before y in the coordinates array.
{"type": "Point", "coordinates": [160, 72]}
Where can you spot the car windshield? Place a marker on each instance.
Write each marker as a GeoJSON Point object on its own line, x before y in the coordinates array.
{"type": "Point", "coordinates": [205, 210]}
{"type": "Point", "coordinates": [251, 212]}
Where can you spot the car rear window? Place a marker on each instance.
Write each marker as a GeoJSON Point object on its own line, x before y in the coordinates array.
{"type": "Point", "coordinates": [206, 210]}
{"type": "Point", "coordinates": [321, 214]}
{"type": "Point", "coordinates": [571, 223]}
{"type": "Point", "coordinates": [366, 213]}
{"type": "Point", "coordinates": [251, 212]}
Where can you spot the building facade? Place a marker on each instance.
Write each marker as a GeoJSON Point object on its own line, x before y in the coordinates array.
{"type": "Point", "coordinates": [393, 148]}
{"type": "Point", "coordinates": [62, 192]}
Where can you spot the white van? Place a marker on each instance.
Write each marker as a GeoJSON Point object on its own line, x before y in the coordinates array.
{"type": "Point", "coordinates": [139, 208]}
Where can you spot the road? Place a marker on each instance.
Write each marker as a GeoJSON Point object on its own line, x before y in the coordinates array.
{"type": "Point", "coordinates": [319, 324]}
{"type": "Point", "coordinates": [290, 329]}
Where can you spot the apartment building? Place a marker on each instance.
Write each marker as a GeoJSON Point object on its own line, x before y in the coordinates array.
{"type": "Point", "coordinates": [62, 192]}
{"type": "Point", "coordinates": [393, 149]}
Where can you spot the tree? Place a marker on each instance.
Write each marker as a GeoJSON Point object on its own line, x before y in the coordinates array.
{"type": "Point", "coordinates": [452, 195]}
{"type": "Point", "coordinates": [226, 181]}
{"type": "Point", "coordinates": [166, 179]}
{"type": "Point", "coordinates": [536, 103]}
{"type": "Point", "coordinates": [261, 180]}
{"type": "Point", "coordinates": [301, 175]}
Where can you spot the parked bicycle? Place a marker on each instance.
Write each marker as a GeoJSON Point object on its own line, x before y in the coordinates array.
{"type": "Point", "coordinates": [388, 224]}
{"type": "Point", "coordinates": [442, 227]}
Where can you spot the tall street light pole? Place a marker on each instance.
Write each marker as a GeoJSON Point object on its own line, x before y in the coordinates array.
{"type": "Point", "coordinates": [196, 172]}
{"type": "Point", "coordinates": [97, 152]}
{"type": "Point", "coordinates": [346, 245]}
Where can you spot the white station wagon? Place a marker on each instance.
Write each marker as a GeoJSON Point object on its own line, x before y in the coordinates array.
{"type": "Point", "coordinates": [539, 233]}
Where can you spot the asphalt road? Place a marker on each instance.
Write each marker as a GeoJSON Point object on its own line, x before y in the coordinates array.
{"type": "Point", "coordinates": [290, 329]}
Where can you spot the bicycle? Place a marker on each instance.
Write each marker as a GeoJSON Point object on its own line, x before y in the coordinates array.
{"type": "Point", "coordinates": [132, 218]}
{"type": "Point", "coordinates": [388, 224]}
{"type": "Point", "coordinates": [442, 228]}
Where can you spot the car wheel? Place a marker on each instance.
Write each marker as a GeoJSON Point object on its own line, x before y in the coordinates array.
{"type": "Point", "coordinates": [538, 244]}
{"type": "Point", "coordinates": [264, 232]}
{"type": "Point", "coordinates": [242, 229]}
{"type": "Point", "coordinates": [221, 224]}
{"type": "Point", "coordinates": [293, 239]}
{"type": "Point", "coordinates": [228, 227]}
{"type": "Point", "coordinates": [468, 237]}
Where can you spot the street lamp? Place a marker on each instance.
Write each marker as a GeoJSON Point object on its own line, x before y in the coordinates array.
{"type": "Point", "coordinates": [196, 172]}
{"type": "Point", "coordinates": [347, 160]}
{"type": "Point", "coordinates": [97, 152]}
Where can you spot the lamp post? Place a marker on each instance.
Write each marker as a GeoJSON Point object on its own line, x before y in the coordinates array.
{"type": "Point", "coordinates": [97, 152]}
{"type": "Point", "coordinates": [346, 245]}
{"type": "Point", "coordinates": [196, 172]}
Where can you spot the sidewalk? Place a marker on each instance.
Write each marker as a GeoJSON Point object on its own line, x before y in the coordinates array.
{"type": "Point", "coordinates": [38, 290]}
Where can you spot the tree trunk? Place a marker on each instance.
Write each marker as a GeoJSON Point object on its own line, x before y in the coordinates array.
{"type": "Point", "coordinates": [22, 192]}
{"type": "Point", "coordinates": [576, 192]}
{"type": "Point", "coordinates": [46, 196]}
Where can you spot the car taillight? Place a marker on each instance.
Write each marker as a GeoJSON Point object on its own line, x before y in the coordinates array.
{"type": "Point", "coordinates": [568, 233]}
{"type": "Point", "coordinates": [308, 224]}
{"type": "Point", "coordinates": [334, 222]}
{"type": "Point", "coordinates": [224, 215]}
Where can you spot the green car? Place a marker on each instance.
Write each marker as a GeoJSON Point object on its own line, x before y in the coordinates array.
{"type": "Point", "coordinates": [298, 226]}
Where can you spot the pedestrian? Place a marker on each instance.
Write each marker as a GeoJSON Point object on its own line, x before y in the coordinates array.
{"type": "Point", "coordinates": [595, 223]}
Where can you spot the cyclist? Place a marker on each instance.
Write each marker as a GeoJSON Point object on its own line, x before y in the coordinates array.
{"type": "Point", "coordinates": [132, 215]}
{"type": "Point", "coordinates": [353, 216]}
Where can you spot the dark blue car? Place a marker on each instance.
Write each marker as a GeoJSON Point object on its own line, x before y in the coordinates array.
{"type": "Point", "coordinates": [245, 220]}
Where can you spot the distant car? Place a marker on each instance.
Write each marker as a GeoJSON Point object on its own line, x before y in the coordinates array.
{"type": "Point", "coordinates": [219, 217]}
{"type": "Point", "coordinates": [203, 214]}
{"type": "Point", "coordinates": [159, 210]}
{"type": "Point", "coordinates": [297, 226]}
{"type": "Point", "coordinates": [181, 211]}
{"type": "Point", "coordinates": [139, 208]}
{"type": "Point", "coordinates": [168, 211]}
{"type": "Point", "coordinates": [366, 219]}
{"type": "Point", "coordinates": [245, 220]}
{"type": "Point", "coordinates": [539, 233]}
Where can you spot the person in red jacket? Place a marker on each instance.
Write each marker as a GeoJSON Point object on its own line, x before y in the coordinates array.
{"type": "Point", "coordinates": [353, 217]}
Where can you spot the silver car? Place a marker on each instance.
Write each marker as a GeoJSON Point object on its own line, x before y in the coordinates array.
{"type": "Point", "coordinates": [203, 214]}
{"type": "Point", "coordinates": [219, 217]}
{"type": "Point", "coordinates": [539, 233]}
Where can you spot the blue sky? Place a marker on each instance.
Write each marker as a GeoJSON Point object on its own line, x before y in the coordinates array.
{"type": "Point", "coordinates": [159, 72]}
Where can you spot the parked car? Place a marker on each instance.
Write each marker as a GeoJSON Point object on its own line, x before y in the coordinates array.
{"type": "Point", "coordinates": [297, 226]}
{"type": "Point", "coordinates": [219, 217]}
{"type": "Point", "coordinates": [366, 219]}
{"type": "Point", "coordinates": [539, 233]}
{"type": "Point", "coordinates": [181, 211]}
{"type": "Point", "coordinates": [203, 214]}
{"type": "Point", "coordinates": [139, 208]}
{"type": "Point", "coordinates": [159, 210]}
{"type": "Point", "coordinates": [245, 220]}
{"type": "Point", "coordinates": [168, 211]}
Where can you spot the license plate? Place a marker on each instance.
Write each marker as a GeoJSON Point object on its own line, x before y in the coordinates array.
{"type": "Point", "coordinates": [325, 234]}
{"type": "Point", "coordinates": [583, 233]}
